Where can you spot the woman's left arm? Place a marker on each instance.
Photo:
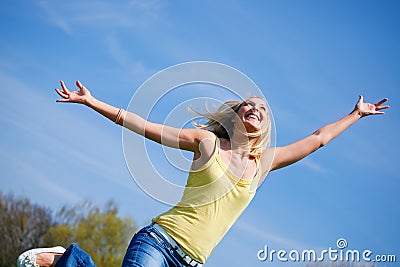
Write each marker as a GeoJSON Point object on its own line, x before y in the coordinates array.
{"type": "Point", "coordinates": [294, 152]}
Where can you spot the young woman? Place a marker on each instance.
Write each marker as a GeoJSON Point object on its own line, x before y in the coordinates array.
{"type": "Point", "coordinates": [229, 154]}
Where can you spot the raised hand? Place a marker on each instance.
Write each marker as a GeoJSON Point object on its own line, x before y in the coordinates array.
{"type": "Point", "coordinates": [365, 109]}
{"type": "Point", "coordinates": [80, 96]}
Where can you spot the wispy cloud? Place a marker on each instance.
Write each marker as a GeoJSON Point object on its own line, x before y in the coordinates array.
{"type": "Point", "coordinates": [102, 14]}
{"type": "Point", "coordinates": [313, 165]}
{"type": "Point", "coordinates": [24, 118]}
{"type": "Point", "coordinates": [125, 59]}
{"type": "Point", "coordinates": [57, 18]}
{"type": "Point", "coordinates": [105, 19]}
{"type": "Point", "coordinates": [262, 235]}
{"type": "Point", "coordinates": [48, 184]}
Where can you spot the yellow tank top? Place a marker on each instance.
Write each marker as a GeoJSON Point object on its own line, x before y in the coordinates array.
{"type": "Point", "coordinates": [212, 201]}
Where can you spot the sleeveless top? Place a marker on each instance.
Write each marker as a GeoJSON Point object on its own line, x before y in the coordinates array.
{"type": "Point", "coordinates": [212, 201]}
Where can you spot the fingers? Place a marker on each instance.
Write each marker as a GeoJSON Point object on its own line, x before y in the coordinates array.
{"type": "Point", "coordinates": [381, 102]}
{"type": "Point", "coordinates": [80, 86]}
{"type": "Point", "coordinates": [77, 96]}
{"type": "Point", "coordinates": [376, 107]}
{"type": "Point", "coordinates": [382, 107]}
{"type": "Point", "coordinates": [64, 93]}
{"type": "Point", "coordinates": [379, 106]}
{"type": "Point", "coordinates": [64, 87]}
{"type": "Point", "coordinates": [62, 100]}
{"type": "Point", "coordinates": [61, 93]}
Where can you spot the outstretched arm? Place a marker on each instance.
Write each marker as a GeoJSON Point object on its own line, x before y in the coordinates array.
{"type": "Point", "coordinates": [292, 153]}
{"type": "Point", "coordinates": [187, 139]}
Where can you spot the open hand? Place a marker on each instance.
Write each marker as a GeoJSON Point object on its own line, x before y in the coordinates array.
{"type": "Point", "coordinates": [81, 96]}
{"type": "Point", "coordinates": [365, 109]}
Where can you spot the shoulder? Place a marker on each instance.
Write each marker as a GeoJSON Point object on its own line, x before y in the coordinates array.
{"type": "Point", "coordinates": [267, 159]}
{"type": "Point", "coordinates": [205, 135]}
{"type": "Point", "coordinates": [195, 135]}
{"type": "Point", "coordinates": [206, 143]}
{"type": "Point", "coordinates": [207, 140]}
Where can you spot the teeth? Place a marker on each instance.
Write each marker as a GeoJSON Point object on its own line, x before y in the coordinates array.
{"type": "Point", "coordinates": [252, 116]}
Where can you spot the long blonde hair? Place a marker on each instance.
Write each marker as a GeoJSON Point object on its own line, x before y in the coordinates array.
{"type": "Point", "coordinates": [221, 124]}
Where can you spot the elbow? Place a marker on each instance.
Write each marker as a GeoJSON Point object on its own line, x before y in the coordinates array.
{"type": "Point", "coordinates": [323, 142]}
{"type": "Point", "coordinates": [321, 139]}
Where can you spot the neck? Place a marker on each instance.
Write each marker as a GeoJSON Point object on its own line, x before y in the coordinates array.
{"type": "Point", "coordinates": [239, 144]}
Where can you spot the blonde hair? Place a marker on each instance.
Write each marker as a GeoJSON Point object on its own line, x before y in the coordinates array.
{"type": "Point", "coordinates": [221, 124]}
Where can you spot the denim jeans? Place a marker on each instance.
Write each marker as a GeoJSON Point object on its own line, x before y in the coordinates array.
{"type": "Point", "coordinates": [148, 248]}
{"type": "Point", "coordinates": [74, 256]}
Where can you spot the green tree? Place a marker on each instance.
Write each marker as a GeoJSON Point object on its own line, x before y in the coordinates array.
{"type": "Point", "coordinates": [100, 232]}
{"type": "Point", "coordinates": [22, 226]}
{"type": "Point", "coordinates": [105, 235]}
{"type": "Point", "coordinates": [59, 235]}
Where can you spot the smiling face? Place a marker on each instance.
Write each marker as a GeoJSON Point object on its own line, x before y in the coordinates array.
{"type": "Point", "coordinates": [238, 119]}
{"type": "Point", "coordinates": [252, 114]}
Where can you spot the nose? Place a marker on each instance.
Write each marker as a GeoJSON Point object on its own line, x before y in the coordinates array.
{"type": "Point", "coordinates": [255, 108]}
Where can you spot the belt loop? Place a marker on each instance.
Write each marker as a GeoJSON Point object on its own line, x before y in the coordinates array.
{"type": "Point", "coordinates": [185, 257]}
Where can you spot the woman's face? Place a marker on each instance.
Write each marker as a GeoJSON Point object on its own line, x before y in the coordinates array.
{"type": "Point", "coordinates": [252, 114]}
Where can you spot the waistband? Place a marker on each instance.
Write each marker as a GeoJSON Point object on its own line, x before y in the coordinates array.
{"type": "Point", "coordinates": [185, 257]}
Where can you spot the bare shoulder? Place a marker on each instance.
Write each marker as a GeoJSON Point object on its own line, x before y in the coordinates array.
{"type": "Point", "coordinates": [194, 136]}
{"type": "Point", "coordinates": [206, 140]}
{"type": "Point", "coordinates": [267, 159]}
{"type": "Point", "coordinates": [204, 135]}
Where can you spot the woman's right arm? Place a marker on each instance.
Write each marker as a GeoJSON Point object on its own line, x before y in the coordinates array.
{"type": "Point", "coordinates": [187, 139]}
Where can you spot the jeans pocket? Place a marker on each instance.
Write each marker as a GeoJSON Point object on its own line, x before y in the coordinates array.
{"type": "Point", "coordinates": [153, 235]}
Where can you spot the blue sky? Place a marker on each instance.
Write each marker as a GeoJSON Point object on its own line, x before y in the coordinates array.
{"type": "Point", "coordinates": [311, 60]}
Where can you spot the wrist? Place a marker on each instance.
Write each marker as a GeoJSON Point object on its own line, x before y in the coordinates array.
{"type": "Point", "coordinates": [90, 102]}
{"type": "Point", "coordinates": [356, 113]}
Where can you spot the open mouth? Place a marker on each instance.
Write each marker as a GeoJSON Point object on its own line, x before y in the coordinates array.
{"type": "Point", "coordinates": [252, 115]}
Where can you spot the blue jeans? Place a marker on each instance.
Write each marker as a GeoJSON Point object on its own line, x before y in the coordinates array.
{"type": "Point", "coordinates": [144, 250]}
{"type": "Point", "coordinates": [74, 256]}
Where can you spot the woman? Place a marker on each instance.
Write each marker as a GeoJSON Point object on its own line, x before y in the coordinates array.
{"type": "Point", "coordinates": [229, 152]}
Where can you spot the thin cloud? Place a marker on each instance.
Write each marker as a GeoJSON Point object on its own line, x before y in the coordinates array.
{"type": "Point", "coordinates": [125, 59]}
{"type": "Point", "coordinates": [47, 136]}
{"type": "Point", "coordinates": [57, 18]}
{"type": "Point", "coordinates": [311, 164]}
{"type": "Point", "coordinates": [262, 235]}
{"type": "Point", "coordinates": [127, 14]}
{"type": "Point", "coordinates": [48, 184]}
{"type": "Point", "coordinates": [102, 14]}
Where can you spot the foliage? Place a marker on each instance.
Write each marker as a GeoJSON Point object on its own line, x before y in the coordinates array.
{"type": "Point", "coordinates": [100, 232]}
{"type": "Point", "coordinates": [22, 226]}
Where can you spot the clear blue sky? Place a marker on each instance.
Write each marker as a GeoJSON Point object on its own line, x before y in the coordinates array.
{"type": "Point", "coordinates": [311, 60]}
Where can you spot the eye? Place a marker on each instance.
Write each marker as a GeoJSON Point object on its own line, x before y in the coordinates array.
{"type": "Point", "coordinates": [246, 104]}
{"type": "Point", "coordinates": [250, 104]}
